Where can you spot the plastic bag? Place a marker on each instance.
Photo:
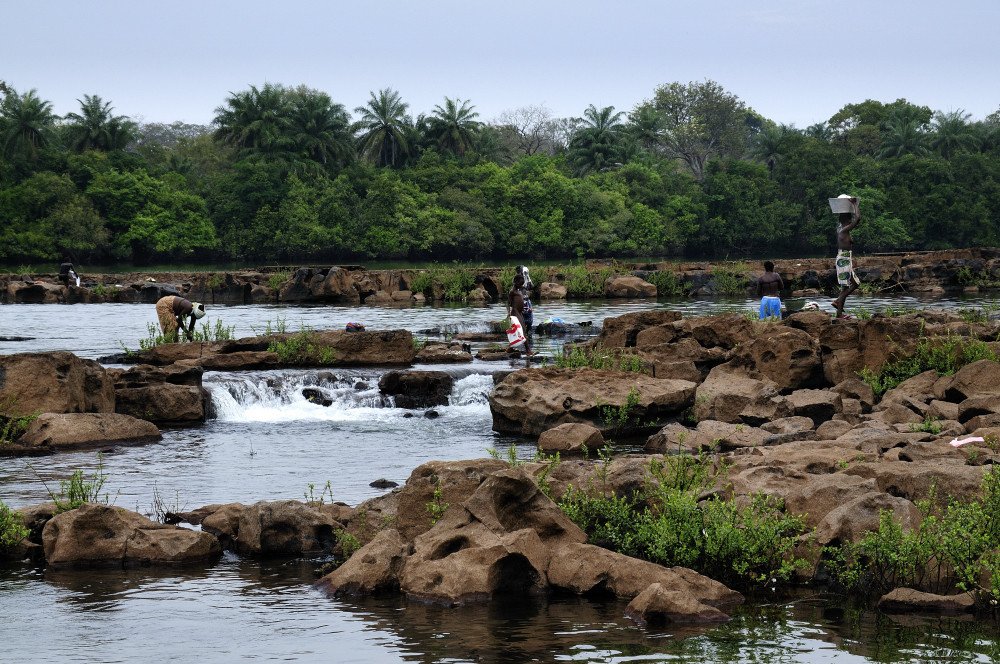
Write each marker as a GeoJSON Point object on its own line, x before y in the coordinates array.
{"type": "Point", "coordinates": [515, 333]}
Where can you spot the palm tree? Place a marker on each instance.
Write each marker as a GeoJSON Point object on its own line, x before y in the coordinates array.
{"type": "Point", "coordinates": [255, 120]}
{"type": "Point", "coordinates": [26, 124]}
{"type": "Point", "coordinates": [771, 143]}
{"type": "Point", "coordinates": [95, 127]}
{"type": "Point", "coordinates": [820, 131]}
{"type": "Point", "coordinates": [319, 129]}
{"type": "Point", "coordinates": [382, 128]}
{"type": "Point", "coordinates": [646, 126]}
{"type": "Point", "coordinates": [454, 125]}
{"type": "Point", "coordinates": [953, 133]}
{"type": "Point", "coordinates": [902, 137]}
{"type": "Point", "coordinates": [597, 144]}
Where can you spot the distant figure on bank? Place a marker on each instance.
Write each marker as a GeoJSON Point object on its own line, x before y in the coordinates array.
{"type": "Point", "coordinates": [515, 305]}
{"type": "Point", "coordinates": [67, 275]}
{"type": "Point", "coordinates": [848, 281]}
{"type": "Point", "coordinates": [769, 287]}
{"type": "Point", "coordinates": [173, 311]}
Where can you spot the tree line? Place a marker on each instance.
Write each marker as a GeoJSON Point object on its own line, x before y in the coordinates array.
{"type": "Point", "coordinates": [287, 174]}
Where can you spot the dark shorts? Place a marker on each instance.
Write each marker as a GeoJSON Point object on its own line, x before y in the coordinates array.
{"type": "Point", "coordinates": [529, 322]}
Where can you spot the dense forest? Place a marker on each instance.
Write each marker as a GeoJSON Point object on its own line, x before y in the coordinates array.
{"type": "Point", "coordinates": [287, 174]}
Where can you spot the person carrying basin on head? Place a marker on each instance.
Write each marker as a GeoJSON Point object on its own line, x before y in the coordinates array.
{"type": "Point", "coordinates": [848, 217]}
{"type": "Point", "coordinates": [769, 287]}
{"type": "Point", "coordinates": [516, 310]}
{"type": "Point", "coordinates": [173, 311]}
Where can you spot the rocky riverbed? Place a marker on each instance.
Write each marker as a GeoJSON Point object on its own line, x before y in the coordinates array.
{"type": "Point", "coordinates": [931, 272]}
{"type": "Point", "coordinates": [779, 404]}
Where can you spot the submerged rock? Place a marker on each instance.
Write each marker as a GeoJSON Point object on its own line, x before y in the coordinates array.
{"type": "Point", "coordinates": [907, 600]}
{"type": "Point", "coordinates": [417, 389]}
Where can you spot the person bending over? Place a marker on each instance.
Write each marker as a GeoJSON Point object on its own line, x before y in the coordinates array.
{"type": "Point", "coordinates": [174, 312]}
{"type": "Point", "coordinates": [769, 287]}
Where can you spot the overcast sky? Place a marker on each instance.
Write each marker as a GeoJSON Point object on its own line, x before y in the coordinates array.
{"type": "Point", "coordinates": [794, 61]}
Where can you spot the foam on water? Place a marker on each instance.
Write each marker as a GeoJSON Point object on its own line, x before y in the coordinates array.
{"type": "Point", "coordinates": [279, 398]}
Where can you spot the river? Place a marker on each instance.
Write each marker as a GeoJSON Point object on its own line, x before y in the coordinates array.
{"type": "Point", "coordinates": [267, 442]}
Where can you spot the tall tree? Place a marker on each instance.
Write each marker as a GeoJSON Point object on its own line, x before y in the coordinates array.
{"type": "Point", "coordinates": [646, 126]}
{"type": "Point", "coordinates": [381, 130]}
{"type": "Point", "coordinates": [255, 120]}
{"type": "Point", "coordinates": [454, 125]}
{"type": "Point", "coordinates": [26, 124]}
{"type": "Point", "coordinates": [597, 144]}
{"type": "Point", "coordinates": [771, 143]}
{"type": "Point", "coordinates": [319, 129]}
{"type": "Point", "coordinates": [701, 122]}
{"type": "Point", "coordinates": [530, 128]}
{"type": "Point", "coordinates": [95, 127]}
{"type": "Point", "coordinates": [901, 137]}
{"type": "Point", "coordinates": [953, 133]}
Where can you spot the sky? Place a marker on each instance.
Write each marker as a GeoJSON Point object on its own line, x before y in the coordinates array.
{"type": "Point", "coordinates": [794, 61]}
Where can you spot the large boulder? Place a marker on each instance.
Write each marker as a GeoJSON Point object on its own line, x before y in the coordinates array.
{"type": "Point", "coordinates": [622, 331]}
{"type": "Point", "coordinates": [732, 393]}
{"type": "Point", "coordinates": [278, 528]}
{"type": "Point", "coordinates": [531, 401]}
{"type": "Point", "coordinates": [860, 515]}
{"type": "Point", "coordinates": [628, 286]}
{"type": "Point", "coordinates": [163, 403]}
{"type": "Point", "coordinates": [417, 389]}
{"type": "Point", "coordinates": [818, 405]}
{"type": "Point", "coordinates": [441, 353]}
{"type": "Point", "coordinates": [373, 569]}
{"type": "Point", "coordinates": [787, 356]}
{"type": "Point", "coordinates": [976, 379]}
{"type": "Point", "coordinates": [376, 348]}
{"type": "Point", "coordinates": [571, 437]}
{"type": "Point", "coordinates": [676, 437]}
{"type": "Point", "coordinates": [549, 290]}
{"type": "Point", "coordinates": [95, 535]}
{"type": "Point", "coordinates": [54, 431]}
{"type": "Point", "coordinates": [56, 382]}
{"type": "Point", "coordinates": [453, 482]}
{"type": "Point", "coordinates": [657, 606]}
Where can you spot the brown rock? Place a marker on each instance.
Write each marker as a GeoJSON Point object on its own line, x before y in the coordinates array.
{"type": "Point", "coordinates": [163, 403]}
{"type": "Point", "coordinates": [789, 357]}
{"type": "Point", "coordinates": [96, 535]}
{"type": "Point", "coordinates": [531, 401]}
{"type": "Point", "coordinates": [67, 430]}
{"type": "Point", "coordinates": [656, 606]}
{"type": "Point", "coordinates": [832, 430]}
{"type": "Point", "coordinates": [908, 600]}
{"type": "Point", "coordinates": [56, 382]}
{"type": "Point", "coordinates": [439, 353]}
{"type": "Point", "coordinates": [976, 379]}
{"type": "Point", "coordinates": [628, 286]}
{"type": "Point", "coordinates": [373, 569]}
{"type": "Point", "coordinates": [621, 331]}
{"type": "Point", "coordinates": [283, 527]}
{"type": "Point", "coordinates": [584, 568]}
{"type": "Point", "coordinates": [674, 437]}
{"type": "Point", "coordinates": [735, 394]}
{"type": "Point", "coordinates": [571, 437]}
{"type": "Point", "coordinates": [855, 388]}
{"type": "Point", "coordinates": [789, 425]}
{"type": "Point", "coordinates": [728, 436]}
{"type": "Point", "coordinates": [552, 291]}
{"type": "Point", "coordinates": [417, 389]}
{"type": "Point", "coordinates": [850, 521]}
{"type": "Point", "coordinates": [818, 405]}
{"type": "Point", "coordinates": [814, 323]}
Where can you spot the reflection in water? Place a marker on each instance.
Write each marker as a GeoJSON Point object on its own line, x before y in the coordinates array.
{"type": "Point", "coordinates": [247, 610]}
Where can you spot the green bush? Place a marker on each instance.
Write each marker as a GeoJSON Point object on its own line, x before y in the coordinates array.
{"type": "Point", "coordinates": [746, 544]}
{"type": "Point", "coordinates": [207, 334]}
{"type": "Point", "coordinates": [276, 280]}
{"type": "Point", "coordinates": [945, 355]}
{"type": "Point", "coordinates": [667, 283]}
{"type": "Point", "coordinates": [581, 281]}
{"type": "Point", "coordinates": [600, 358]}
{"type": "Point", "coordinates": [12, 529]}
{"type": "Point", "coordinates": [956, 547]}
{"type": "Point", "coordinates": [731, 279]}
{"type": "Point", "coordinates": [13, 427]}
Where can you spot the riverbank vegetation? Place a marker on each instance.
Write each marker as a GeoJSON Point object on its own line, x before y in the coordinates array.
{"type": "Point", "coordinates": [289, 175]}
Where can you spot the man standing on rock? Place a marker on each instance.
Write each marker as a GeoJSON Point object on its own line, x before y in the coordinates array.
{"type": "Point", "coordinates": [172, 312]}
{"type": "Point", "coordinates": [848, 281]}
{"type": "Point", "coordinates": [769, 287]}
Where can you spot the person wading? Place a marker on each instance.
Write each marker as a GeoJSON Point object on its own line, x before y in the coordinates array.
{"type": "Point", "coordinates": [769, 287]}
{"type": "Point", "coordinates": [173, 312]}
{"type": "Point", "coordinates": [848, 281]}
{"type": "Point", "coordinates": [515, 308]}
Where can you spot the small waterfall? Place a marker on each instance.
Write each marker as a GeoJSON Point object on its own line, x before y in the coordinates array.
{"type": "Point", "coordinates": [281, 397]}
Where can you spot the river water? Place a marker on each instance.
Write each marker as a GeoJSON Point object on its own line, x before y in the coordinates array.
{"type": "Point", "coordinates": [267, 442]}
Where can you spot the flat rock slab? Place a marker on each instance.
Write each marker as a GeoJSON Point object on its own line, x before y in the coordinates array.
{"type": "Point", "coordinates": [56, 431]}
{"type": "Point", "coordinates": [906, 600]}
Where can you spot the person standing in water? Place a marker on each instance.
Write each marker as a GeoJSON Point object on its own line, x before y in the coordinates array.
{"type": "Point", "coordinates": [769, 287]}
{"type": "Point", "coordinates": [846, 278]}
{"type": "Point", "coordinates": [529, 313]}
{"type": "Point", "coordinates": [516, 309]}
{"type": "Point", "coordinates": [173, 311]}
